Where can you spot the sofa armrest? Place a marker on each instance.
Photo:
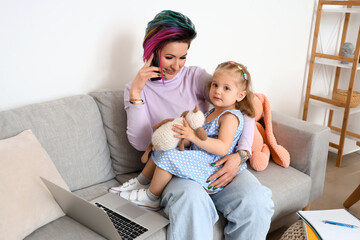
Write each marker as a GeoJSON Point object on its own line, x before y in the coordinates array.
{"type": "Point", "coordinates": [308, 145]}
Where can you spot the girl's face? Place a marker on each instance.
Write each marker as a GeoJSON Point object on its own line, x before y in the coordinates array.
{"type": "Point", "coordinates": [225, 91]}
{"type": "Point", "coordinates": [173, 58]}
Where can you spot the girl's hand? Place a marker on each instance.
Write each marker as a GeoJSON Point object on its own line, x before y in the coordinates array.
{"type": "Point", "coordinates": [228, 172]}
{"type": "Point", "coordinates": [145, 73]}
{"type": "Point", "coordinates": [185, 131]}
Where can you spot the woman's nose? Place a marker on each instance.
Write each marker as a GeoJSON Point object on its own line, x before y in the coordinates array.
{"type": "Point", "coordinates": [176, 65]}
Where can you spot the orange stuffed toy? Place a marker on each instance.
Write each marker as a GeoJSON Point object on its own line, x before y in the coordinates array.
{"type": "Point", "coordinates": [264, 139]}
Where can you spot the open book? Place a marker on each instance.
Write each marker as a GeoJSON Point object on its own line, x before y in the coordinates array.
{"type": "Point", "coordinates": [316, 228]}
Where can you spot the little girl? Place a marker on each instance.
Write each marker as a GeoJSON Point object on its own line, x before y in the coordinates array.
{"type": "Point", "coordinates": [229, 92]}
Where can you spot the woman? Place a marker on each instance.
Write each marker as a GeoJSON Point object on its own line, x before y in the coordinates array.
{"type": "Point", "coordinates": [244, 202]}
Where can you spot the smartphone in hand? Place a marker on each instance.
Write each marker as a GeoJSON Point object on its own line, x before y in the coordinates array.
{"type": "Point", "coordinates": [156, 63]}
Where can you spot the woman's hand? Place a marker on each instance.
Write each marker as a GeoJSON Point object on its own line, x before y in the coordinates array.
{"type": "Point", "coordinates": [145, 73]}
{"type": "Point", "coordinates": [185, 131]}
{"type": "Point", "coordinates": [228, 172]}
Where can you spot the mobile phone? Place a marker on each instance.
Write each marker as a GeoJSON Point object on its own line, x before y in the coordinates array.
{"type": "Point", "coordinates": [156, 63]}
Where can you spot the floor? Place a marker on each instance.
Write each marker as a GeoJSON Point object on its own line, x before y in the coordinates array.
{"type": "Point", "coordinates": [339, 184]}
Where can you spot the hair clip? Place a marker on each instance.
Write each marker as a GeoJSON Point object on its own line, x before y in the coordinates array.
{"type": "Point", "coordinates": [240, 68]}
{"type": "Point", "coordinates": [245, 76]}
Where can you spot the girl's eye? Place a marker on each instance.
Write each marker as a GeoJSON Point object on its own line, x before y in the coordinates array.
{"type": "Point", "coordinates": [214, 84]}
{"type": "Point", "coordinates": [183, 58]}
{"type": "Point", "coordinates": [168, 58]}
{"type": "Point", "coordinates": [227, 88]}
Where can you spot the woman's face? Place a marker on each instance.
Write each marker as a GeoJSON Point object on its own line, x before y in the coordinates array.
{"type": "Point", "coordinates": [173, 58]}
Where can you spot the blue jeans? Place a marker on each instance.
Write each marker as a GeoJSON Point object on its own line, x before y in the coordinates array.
{"type": "Point", "coordinates": [245, 203]}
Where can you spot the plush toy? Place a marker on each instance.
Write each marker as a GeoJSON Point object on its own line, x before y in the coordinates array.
{"type": "Point", "coordinates": [163, 138]}
{"type": "Point", "coordinates": [264, 140]}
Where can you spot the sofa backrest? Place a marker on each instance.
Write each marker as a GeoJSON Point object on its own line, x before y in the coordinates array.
{"type": "Point", "coordinates": [71, 131]}
{"type": "Point", "coordinates": [125, 158]}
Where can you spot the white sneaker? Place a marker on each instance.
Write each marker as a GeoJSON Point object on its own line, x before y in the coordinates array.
{"type": "Point", "coordinates": [132, 184]}
{"type": "Point", "coordinates": [140, 198]}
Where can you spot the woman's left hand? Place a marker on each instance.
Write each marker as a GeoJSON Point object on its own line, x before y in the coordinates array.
{"type": "Point", "coordinates": [228, 172]}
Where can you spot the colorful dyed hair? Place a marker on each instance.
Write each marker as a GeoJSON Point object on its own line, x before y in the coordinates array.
{"type": "Point", "coordinates": [242, 75]}
{"type": "Point", "coordinates": [167, 26]}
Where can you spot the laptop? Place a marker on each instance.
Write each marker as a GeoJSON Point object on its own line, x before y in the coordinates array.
{"type": "Point", "coordinates": [110, 215]}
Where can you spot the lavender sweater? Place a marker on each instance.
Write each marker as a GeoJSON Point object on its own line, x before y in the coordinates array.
{"type": "Point", "coordinates": [182, 93]}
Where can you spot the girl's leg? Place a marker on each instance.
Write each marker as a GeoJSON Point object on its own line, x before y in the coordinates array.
{"type": "Point", "coordinates": [160, 179]}
{"type": "Point", "coordinates": [141, 181]}
{"type": "Point", "coordinates": [149, 169]}
{"type": "Point", "coordinates": [149, 198]}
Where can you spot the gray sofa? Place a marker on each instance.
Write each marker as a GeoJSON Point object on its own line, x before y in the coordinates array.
{"type": "Point", "coordinates": [85, 136]}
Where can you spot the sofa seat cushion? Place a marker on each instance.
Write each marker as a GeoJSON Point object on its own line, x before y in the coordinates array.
{"type": "Point", "coordinates": [290, 188]}
{"type": "Point", "coordinates": [97, 190]}
{"type": "Point", "coordinates": [64, 228]}
{"type": "Point", "coordinates": [71, 131]}
{"type": "Point", "coordinates": [67, 228]}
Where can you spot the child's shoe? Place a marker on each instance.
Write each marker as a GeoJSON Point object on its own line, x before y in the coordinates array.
{"type": "Point", "coordinates": [140, 198]}
{"type": "Point", "coordinates": [132, 184]}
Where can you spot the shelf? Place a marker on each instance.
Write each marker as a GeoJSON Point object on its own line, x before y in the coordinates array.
{"type": "Point", "coordinates": [334, 63]}
{"type": "Point", "coordinates": [349, 145]}
{"type": "Point", "coordinates": [335, 108]}
{"type": "Point", "coordinates": [342, 10]}
{"type": "Point", "coordinates": [326, 103]}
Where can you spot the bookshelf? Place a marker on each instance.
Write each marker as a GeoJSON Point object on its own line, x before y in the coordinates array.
{"type": "Point", "coordinates": [342, 141]}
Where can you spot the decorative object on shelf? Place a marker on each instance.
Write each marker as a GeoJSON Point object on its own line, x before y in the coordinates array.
{"type": "Point", "coordinates": [340, 95]}
{"type": "Point", "coordinates": [347, 50]}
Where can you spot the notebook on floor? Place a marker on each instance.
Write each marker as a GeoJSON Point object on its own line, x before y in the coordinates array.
{"type": "Point", "coordinates": [109, 215]}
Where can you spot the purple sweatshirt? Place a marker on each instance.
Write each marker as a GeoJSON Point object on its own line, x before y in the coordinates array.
{"type": "Point", "coordinates": [182, 93]}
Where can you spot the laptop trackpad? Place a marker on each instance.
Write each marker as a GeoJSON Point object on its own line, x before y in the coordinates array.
{"type": "Point", "coordinates": [131, 210]}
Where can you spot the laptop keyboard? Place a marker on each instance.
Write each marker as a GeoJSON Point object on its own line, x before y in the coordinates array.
{"type": "Point", "coordinates": [127, 229]}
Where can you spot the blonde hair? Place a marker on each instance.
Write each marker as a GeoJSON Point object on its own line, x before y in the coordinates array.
{"type": "Point", "coordinates": [243, 78]}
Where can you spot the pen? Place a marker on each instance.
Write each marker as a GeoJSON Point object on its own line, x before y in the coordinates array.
{"type": "Point", "coordinates": [341, 224]}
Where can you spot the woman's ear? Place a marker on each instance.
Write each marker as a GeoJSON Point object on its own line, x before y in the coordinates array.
{"type": "Point", "coordinates": [241, 95]}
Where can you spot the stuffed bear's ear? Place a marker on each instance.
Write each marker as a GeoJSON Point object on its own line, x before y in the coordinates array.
{"type": "Point", "coordinates": [196, 108]}
{"type": "Point", "coordinates": [200, 132]}
{"type": "Point", "coordinates": [184, 114]}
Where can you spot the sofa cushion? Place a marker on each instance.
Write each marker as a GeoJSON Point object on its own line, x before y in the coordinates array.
{"type": "Point", "coordinates": [97, 190]}
{"type": "Point", "coordinates": [64, 228]}
{"type": "Point", "coordinates": [290, 188]}
{"type": "Point", "coordinates": [71, 131]}
{"type": "Point", "coordinates": [125, 158]}
{"type": "Point", "coordinates": [25, 203]}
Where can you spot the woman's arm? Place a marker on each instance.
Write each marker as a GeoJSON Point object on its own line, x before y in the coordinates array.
{"type": "Point", "coordinates": [139, 129]}
{"type": "Point", "coordinates": [247, 137]}
{"type": "Point", "coordinates": [219, 146]}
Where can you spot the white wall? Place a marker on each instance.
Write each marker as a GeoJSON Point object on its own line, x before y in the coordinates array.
{"type": "Point", "coordinates": [50, 49]}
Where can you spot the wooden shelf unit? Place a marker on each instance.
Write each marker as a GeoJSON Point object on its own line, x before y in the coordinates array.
{"type": "Point", "coordinates": [344, 7]}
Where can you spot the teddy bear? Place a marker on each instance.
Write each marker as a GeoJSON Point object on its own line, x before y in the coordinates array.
{"type": "Point", "coordinates": [163, 138]}
{"type": "Point", "coordinates": [264, 140]}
